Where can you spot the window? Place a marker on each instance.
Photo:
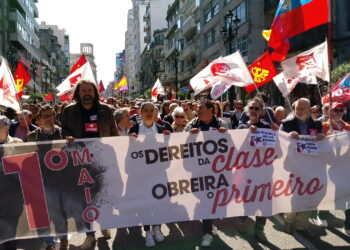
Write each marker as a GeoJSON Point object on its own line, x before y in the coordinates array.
{"type": "Point", "coordinates": [216, 9]}
{"type": "Point", "coordinates": [211, 37]}
{"type": "Point", "coordinates": [210, 11]}
{"type": "Point", "coordinates": [198, 3]}
{"type": "Point", "coordinates": [198, 27]}
{"type": "Point", "coordinates": [241, 13]}
{"type": "Point", "coordinates": [241, 45]}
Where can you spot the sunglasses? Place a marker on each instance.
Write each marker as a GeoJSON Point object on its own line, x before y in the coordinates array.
{"type": "Point", "coordinates": [315, 112]}
{"type": "Point", "coordinates": [254, 108]}
{"type": "Point", "coordinates": [338, 110]}
{"type": "Point", "coordinates": [179, 117]}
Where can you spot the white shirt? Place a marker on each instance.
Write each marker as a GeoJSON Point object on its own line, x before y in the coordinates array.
{"type": "Point", "coordinates": [143, 130]}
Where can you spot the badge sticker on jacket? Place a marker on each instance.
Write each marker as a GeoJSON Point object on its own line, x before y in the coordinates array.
{"type": "Point", "coordinates": [91, 127]}
{"type": "Point", "coordinates": [312, 131]}
{"type": "Point", "coordinates": [93, 118]}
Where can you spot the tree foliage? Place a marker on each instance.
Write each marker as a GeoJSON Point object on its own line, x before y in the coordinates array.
{"type": "Point", "coordinates": [340, 71]}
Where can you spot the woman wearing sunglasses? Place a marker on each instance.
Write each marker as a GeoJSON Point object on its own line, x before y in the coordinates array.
{"type": "Point", "coordinates": [180, 120]}
{"type": "Point", "coordinates": [254, 110]}
{"type": "Point", "coordinates": [338, 125]}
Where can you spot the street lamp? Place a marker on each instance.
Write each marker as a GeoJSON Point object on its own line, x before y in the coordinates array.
{"type": "Point", "coordinates": [176, 55]}
{"type": "Point", "coordinates": [12, 58]}
{"type": "Point", "coordinates": [229, 31]}
{"type": "Point", "coordinates": [33, 69]}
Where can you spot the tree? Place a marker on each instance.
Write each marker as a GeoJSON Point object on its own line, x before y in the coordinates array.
{"type": "Point", "coordinates": [148, 93]}
{"type": "Point", "coordinates": [339, 72]}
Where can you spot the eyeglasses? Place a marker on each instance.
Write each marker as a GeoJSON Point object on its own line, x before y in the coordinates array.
{"type": "Point", "coordinates": [179, 117]}
{"type": "Point", "coordinates": [254, 108]}
{"type": "Point", "coordinates": [338, 110]}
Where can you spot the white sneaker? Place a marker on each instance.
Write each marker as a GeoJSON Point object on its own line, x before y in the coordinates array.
{"type": "Point", "coordinates": [322, 223]}
{"type": "Point", "coordinates": [149, 240]}
{"type": "Point", "coordinates": [88, 242]}
{"type": "Point", "coordinates": [207, 240]}
{"type": "Point", "coordinates": [347, 231]}
{"type": "Point", "coordinates": [158, 235]}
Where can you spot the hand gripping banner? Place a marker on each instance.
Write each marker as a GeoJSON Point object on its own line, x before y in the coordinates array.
{"type": "Point", "coordinates": [52, 188]}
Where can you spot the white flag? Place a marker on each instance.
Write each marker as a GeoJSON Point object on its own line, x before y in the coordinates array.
{"type": "Point", "coordinates": [82, 73]}
{"type": "Point", "coordinates": [8, 88]}
{"type": "Point", "coordinates": [157, 89]}
{"type": "Point", "coordinates": [225, 71]}
{"type": "Point", "coordinates": [282, 85]}
{"type": "Point", "coordinates": [305, 66]}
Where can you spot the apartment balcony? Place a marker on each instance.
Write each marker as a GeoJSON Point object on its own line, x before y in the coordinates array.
{"type": "Point", "coordinates": [189, 51]}
{"type": "Point", "coordinates": [146, 28]}
{"type": "Point", "coordinates": [147, 39]}
{"type": "Point", "coordinates": [189, 27]}
{"type": "Point", "coordinates": [146, 17]}
{"type": "Point", "coordinates": [16, 16]}
{"type": "Point", "coordinates": [189, 7]}
{"type": "Point", "coordinates": [169, 52]}
{"type": "Point", "coordinates": [15, 37]}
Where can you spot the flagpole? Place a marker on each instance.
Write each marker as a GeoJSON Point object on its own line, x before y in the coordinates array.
{"type": "Point", "coordinates": [329, 41]}
{"type": "Point", "coordinates": [256, 87]}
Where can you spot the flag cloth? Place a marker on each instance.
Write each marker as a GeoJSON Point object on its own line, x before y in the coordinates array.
{"type": "Point", "coordinates": [226, 71]}
{"type": "Point", "coordinates": [281, 84]}
{"type": "Point", "coordinates": [157, 89]}
{"type": "Point", "coordinates": [123, 88]}
{"type": "Point", "coordinates": [8, 90]}
{"type": "Point", "coordinates": [262, 70]}
{"type": "Point", "coordinates": [305, 66]}
{"type": "Point", "coordinates": [340, 91]}
{"type": "Point", "coordinates": [78, 64]}
{"type": "Point", "coordinates": [83, 73]}
{"type": "Point", "coordinates": [48, 97]}
{"type": "Point", "coordinates": [121, 83]}
{"type": "Point", "coordinates": [266, 34]}
{"type": "Point", "coordinates": [21, 79]}
{"type": "Point", "coordinates": [280, 51]}
{"type": "Point", "coordinates": [101, 88]}
{"type": "Point", "coordinates": [296, 16]}
{"type": "Point", "coordinates": [66, 96]}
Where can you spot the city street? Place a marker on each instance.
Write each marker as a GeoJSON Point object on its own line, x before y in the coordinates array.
{"type": "Point", "coordinates": [187, 235]}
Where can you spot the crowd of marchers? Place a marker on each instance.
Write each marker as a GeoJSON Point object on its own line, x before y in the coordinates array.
{"type": "Point", "coordinates": [87, 116]}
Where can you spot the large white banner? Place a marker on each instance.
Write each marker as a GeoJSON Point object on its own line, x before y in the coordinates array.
{"type": "Point", "coordinates": [122, 181]}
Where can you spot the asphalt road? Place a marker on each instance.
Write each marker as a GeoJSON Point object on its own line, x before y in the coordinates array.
{"type": "Point", "coordinates": [187, 235]}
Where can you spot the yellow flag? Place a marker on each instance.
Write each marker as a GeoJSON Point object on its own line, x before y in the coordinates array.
{"type": "Point", "coordinates": [121, 83]}
{"type": "Point", "coordinates": [266, 34]}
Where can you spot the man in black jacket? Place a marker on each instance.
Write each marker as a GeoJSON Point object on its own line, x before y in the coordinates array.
{"type": "Point", "coordinates": [301, 124]}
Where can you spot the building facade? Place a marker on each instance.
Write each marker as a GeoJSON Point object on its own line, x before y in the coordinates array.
{"type": "Point", "coordinates": [62, 39]}
{"type": "Point", "coordinates": [19, 34]}
{"type": "Point", "coordinates": [88, 50]}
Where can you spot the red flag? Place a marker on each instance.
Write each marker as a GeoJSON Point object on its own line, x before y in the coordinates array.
{"type": "Point", "coordinates": [293, 18]}
{"type": "Point", "coordinates": [66, 96]}
{"type": "Point", "coordinates": [340, 91]}
{"type": "Point", "coordinates": [262, 71]}
{"type": "Point", "coordinates": [48, 97]}
{"type": "Point", "coordinates": [21, 78]}
{"type": "Point", "coordinates": [101, 88]}
{"type": "Point", "coordinates": [78, 64]}
{"type": "Point", "coordinates": [281, 50]}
